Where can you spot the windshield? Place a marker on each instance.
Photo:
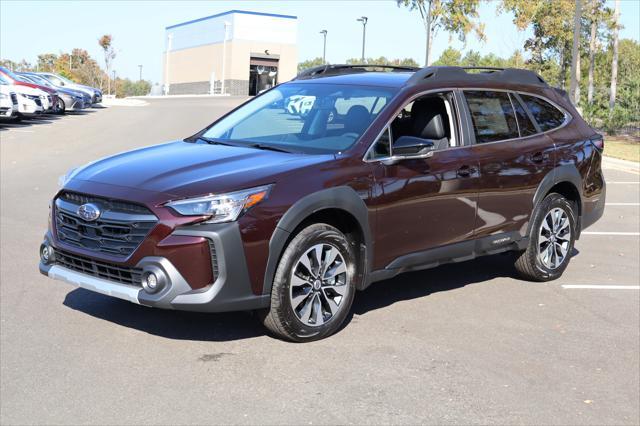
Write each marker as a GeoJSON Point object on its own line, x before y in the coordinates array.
{"type": "Point", "coordinates": [53, 79]}
{"type": "Point", "coordinates": [313, 117]}
{"type": "Point", "coordinates": [8, 74]}
{"type": "Point", "coordinates": [37, 80]}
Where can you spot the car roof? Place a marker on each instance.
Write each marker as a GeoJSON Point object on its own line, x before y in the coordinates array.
{"type": "Point", "coordinates": [399, 76]}
{"type": "Point", "coordinates": [367, 78]}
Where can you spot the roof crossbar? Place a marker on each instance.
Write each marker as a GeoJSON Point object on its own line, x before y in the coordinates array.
{"type": "Point", "coordinates": [506, 75]}
{"type": "Point", "coordinates": [327, 70]}
{"type": "Point", "coordinates": [433, 73]}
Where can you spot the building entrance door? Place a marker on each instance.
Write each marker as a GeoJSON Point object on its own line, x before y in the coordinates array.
{"type": "Point", "coordinates": [263, 74]}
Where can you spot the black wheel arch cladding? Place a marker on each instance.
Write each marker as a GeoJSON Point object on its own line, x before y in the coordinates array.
{"type": "Point", "coordinates": [341, 198]}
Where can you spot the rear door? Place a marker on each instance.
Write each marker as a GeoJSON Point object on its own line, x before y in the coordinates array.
{"type": "Point", "coordinates": [514, 156]}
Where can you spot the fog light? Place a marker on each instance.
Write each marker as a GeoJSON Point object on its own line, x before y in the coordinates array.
{"type": "Point", "coordinates": [153, 280]}
{"type": "Point", "coordinates": [46, 254]}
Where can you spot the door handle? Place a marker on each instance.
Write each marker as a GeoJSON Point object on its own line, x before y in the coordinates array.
{"type": "Point", "coordinates": [465, 171]}
{"type": "Point", "coordinates": [538, 157]}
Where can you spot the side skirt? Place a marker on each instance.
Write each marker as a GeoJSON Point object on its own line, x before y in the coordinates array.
{"type": "Point", "coordinates": [452, 253]}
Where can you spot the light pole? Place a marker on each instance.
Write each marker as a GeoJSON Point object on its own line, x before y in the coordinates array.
{"type": "Point", "coordinates": [224, 53]}
{"type": "Point", "coordinates": [140, 66]}
{"type": "Point", "coordinates": [364, 20]}
{"type": "Point", "coordinates": [166, 72]}
{"type": "Point", "coordinates": [324, 46]}
{"type": "Point", "coordinates": [114, 83]}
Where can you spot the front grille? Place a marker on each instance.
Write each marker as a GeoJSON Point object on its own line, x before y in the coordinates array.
{"type": "Point", "coordinates": [14, 99]}
{"type": "Point", "coordinates": [38, 101]}
{"type": "Point", "coordinates": [111, 205]}
{"type": "Point", "coordinates": [119, 230]}
{"type": "Point", "coordinates": [107, 271]}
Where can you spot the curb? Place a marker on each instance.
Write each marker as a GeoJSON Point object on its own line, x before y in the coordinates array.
{"type": "Point", "coordinates": [625, 165]}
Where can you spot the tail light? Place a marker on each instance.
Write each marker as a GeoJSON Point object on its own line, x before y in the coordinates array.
{"type": "Point", "coordinates": [598, 141]}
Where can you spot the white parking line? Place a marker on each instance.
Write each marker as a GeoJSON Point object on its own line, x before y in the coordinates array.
{"type": "Point", "coordinates": [622, 204]}
{"type": "Point", "coordinates": [628, 234]}
{"type": "Point", "coordinates": [623, 183]}
{"type": "Point", "coordinates": [602, 287]}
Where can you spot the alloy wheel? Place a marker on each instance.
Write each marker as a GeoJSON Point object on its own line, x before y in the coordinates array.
{"type": "Point", "coordinates": [319, 284]}
{"type": "Point", "coordinates": [554, 238]}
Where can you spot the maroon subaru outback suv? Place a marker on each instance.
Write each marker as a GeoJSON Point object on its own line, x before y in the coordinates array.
{"type": "Point", "coordinates": [345, 176]}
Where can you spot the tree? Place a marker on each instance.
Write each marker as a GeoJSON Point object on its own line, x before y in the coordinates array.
{"type": "Point", "coordinates": [552, 26]}
{"type": "Point", "coordinates": [454, 16]}
{"type": "Point", "coordinates": [449, 57]}
{"type": "Point", "coordinates": [575, 54]}
{"type": "Point", "coordinates": [614, 60]}
{"type": "Point", "coordinates": [106, 43]}
{"type": "Point", "coordinates": [310, 63]}
{"type": "Point", "coordinates": [406, 62]}
{"type": "Point", "coordinates": [46, 62]}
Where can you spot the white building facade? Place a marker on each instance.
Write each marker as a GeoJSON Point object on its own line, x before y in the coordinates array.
{"type": "Point", "coordinates": [235, 52]}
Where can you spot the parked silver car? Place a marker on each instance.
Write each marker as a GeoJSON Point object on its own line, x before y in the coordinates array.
{"type": "Point", "coordinates": [68, 99]}
{"type": "Point", "coordinates": [60, 81]}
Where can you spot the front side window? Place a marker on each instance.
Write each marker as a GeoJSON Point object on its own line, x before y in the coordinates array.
{"type": "Point", "coordinates": [547, 116]}
{"type": "Point", "coordinates": [430, 117]}
{"type": "Point", "coordinates": [492, 115]}
{"type": "Point", "coordinates": [299, 117]}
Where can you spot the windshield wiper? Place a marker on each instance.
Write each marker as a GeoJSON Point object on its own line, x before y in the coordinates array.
{"type": "Point", "coordinates": [212, 141]}
{"type": "Point", "coordinates": [268, 147]}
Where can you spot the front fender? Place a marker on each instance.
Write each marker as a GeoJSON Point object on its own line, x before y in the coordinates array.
{"type": "Point", "coordinates": [343, 198]}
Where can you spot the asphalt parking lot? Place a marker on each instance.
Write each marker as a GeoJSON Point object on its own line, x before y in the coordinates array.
{"type": "Point", "coordinates": [460, 344]}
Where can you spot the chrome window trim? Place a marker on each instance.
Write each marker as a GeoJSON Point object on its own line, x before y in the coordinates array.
{"type": "Point", "coordinates": [567, 117]}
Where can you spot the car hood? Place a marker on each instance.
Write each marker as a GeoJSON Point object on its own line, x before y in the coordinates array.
{"type": "Point", "coordinates": [71, 92]}
{"type": "Point", "coordinates": [28, 90]}
{"type": "Point", "coordinates": [184, 169]}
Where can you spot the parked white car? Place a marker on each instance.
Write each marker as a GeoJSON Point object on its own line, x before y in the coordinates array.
{"type": "Point", "coordinates": [8, 100]}
{"type": "Point", "coordinates": [30, 101]}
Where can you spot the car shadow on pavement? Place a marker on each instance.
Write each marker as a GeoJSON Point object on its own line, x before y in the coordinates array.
{"type": "Point", "coordinates": [181, 325]}
{"type": "Point", "coordinates": [178, 325]}
{"type": "Point", "coordinates": [414, 285]}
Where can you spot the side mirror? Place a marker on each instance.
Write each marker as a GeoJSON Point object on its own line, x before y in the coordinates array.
{"type": "Point", "coordinates": [412, 146]}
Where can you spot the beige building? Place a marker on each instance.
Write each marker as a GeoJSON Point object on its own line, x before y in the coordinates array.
{"type": "Point", "coordinates": [235, 52]}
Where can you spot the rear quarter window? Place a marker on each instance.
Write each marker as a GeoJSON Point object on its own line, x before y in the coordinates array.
{"type": "Point", "coordinates": [548, 116]}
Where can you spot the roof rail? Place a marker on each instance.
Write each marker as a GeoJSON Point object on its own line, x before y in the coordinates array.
{"type": "Point", "coordinates": [337, 69]}
{"type": "Point", "coordinates": [507, 75]}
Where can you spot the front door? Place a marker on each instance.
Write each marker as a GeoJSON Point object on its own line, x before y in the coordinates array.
{"type": "Point", "coordinates": [427, 203]}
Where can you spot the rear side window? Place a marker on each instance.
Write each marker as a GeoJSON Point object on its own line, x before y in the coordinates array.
{"type": "Point", "coordinates": [527, 128]}
{"type": "Point", "coordinates": [492, 115]}
{"type": "Point", "coordinates": [547, 116]}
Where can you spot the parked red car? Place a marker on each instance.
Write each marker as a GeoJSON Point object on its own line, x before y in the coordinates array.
{"type": "Point", "coordinates": [52, 101]}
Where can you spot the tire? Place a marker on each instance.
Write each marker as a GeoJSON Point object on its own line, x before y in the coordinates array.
{"type": "Point", "coordinates": [540, 262]}
{"type": "Point", "coordinates": [61, 107]}
{"type": "Point", "coordinates": [296, 295]}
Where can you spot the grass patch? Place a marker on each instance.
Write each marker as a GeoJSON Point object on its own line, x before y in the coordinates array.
{"type": "Point", "coordinates": [622, 148]}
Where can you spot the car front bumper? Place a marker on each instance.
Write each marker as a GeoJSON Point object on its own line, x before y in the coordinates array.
{"type": "Point", "coordinates": [230, 291]}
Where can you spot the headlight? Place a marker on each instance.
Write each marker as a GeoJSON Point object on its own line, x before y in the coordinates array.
{"type": "Point", "coordinates": [221, 207]}
{"type": "Point", "coordinates": [3, 96]}
{"type": "Point", "coordinates": [62, 180]}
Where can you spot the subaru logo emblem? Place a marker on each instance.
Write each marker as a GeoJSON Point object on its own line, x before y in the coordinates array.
{"type": "Point", "coordinates": [89, 212]}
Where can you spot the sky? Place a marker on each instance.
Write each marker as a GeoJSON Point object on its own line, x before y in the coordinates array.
{"type": "Point", "coordinates": [138, 27]}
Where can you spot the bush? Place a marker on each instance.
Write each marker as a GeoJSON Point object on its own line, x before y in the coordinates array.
{"type": "Point", "coordinates": [126, 87]}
